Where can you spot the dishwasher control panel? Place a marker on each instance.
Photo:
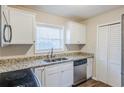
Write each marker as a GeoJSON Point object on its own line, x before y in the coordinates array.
{"type": "Point", "coordinates": [80, 62]}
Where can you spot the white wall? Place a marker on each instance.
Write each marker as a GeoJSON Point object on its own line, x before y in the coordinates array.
{"type": "Point", "coordinates": [91, 26]}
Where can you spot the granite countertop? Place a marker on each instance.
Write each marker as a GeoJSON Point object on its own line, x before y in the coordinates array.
{"type": "Point", "coordinates": [13, 64]}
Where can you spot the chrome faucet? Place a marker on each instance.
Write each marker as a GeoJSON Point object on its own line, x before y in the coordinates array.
{"type": "Point", "coordinates": [50, 55]}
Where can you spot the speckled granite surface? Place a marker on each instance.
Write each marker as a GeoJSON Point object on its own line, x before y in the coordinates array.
{"type": "Point", "coordinates": [23, 62]}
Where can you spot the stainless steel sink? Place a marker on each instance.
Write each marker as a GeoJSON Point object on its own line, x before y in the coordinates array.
{"type": "Point", "coordinates": [56, 59]}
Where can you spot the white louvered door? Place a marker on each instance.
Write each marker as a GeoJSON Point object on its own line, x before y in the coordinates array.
{"type": "Point", "coordinates": [114, 55]}
{"type": "Point", "coordinates": [108, 65]}
{"type": "Point", "coordinates": [102, 53]}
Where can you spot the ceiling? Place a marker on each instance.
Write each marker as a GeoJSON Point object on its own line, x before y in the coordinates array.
{"type": "Point", "coordinates": [75, 12]}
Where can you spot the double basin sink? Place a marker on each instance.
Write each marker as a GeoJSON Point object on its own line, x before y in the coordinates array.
{"type": "Point", "coordinates": [56, 59]}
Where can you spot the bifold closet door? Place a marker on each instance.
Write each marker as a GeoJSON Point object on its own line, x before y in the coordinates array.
{"type": "Point", "coordinates": [114, 55]}
{"type": "Point", "coordinates": [102, 50]}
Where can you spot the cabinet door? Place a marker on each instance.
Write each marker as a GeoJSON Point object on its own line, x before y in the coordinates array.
{"type": "Point", "coordinates": [82, 34]}
{"type": "Point", "coordinates": [75, 33]}
{"type": "Point", "coordinates": [114, 55]}
{"type": "Point", "coordinates": [22, 26]}
{"type": "Point", "coordinates": [53, 79]}
{"type": "Point", "coordinates": [67, 78]}
{"type": "Point", "coordinates": [67, 74]}
{"type": "Point", "coordinates": [102, 54]}
{"type": "Point", "coordinates": [89, 67]}
{"type": "Point", "coordinates": [60, 75]}
{"type": "Point", "coordinates": [52, 76]}
{"type": "Point", "coordinates": [40, 75]}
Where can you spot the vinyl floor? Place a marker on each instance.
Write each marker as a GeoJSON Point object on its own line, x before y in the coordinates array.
{"type": "Point", "coordinates": [93, 83]}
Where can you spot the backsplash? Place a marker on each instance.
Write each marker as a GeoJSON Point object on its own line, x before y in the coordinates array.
{"type": "Point", "coordinates": [13, 50]}
{"type": "Point", "coordinates": [16, 50]}
{"type": "Point", "coordinates": [74, 47]}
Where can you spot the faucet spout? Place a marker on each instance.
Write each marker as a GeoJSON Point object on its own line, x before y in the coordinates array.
{"type": "Point", "coordinates": [51, 53]}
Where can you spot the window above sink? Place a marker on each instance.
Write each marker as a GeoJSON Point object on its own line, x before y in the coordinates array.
{"type": "Point", "coordinates": [49, 36]}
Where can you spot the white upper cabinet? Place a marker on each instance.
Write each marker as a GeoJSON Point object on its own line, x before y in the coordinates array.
{"type": "Point", "coordinates": [23, 26]}
{"type": "Point", "coordinates": [75, 33]}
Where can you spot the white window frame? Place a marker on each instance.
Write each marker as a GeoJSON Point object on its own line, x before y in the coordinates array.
{"type": "Point", "coordinates": [48, 50]}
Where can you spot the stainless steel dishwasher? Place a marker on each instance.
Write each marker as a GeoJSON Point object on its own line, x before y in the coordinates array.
{"type": "Point", "coordinates": [80, 71]}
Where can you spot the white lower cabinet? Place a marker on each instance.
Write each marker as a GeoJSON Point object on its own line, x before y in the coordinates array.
{"type": "Point", "coordinates": [67, 74]}
{"type": "Point", "coordinates": [52, 76]}
{"type": "Point", "coordinates": [89, 68]}
{"type": "Point", "coordinates": [59, 75]}
{"type": "Point", "coordinates": [39, 72]}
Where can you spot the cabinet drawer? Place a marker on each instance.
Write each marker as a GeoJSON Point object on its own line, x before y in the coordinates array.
{"type": "Point", "coordinates": [53, 69]}
{"type": "Point", "coordinates": [59, 67]}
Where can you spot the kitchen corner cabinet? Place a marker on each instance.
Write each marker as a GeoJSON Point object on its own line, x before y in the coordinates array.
{"type": "Point", "coordinates": [89, 68]}
{"type": "Point", "coordinates": [23, 26]}
{"type": "Point", "coordinates": [75, 33]}
{"type": "Point", "coordinates": [59, 75]}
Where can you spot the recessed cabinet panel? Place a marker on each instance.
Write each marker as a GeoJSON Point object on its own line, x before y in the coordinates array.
{"type": "Point", "coordinates": [22, 26]}
{"type": "Point", "coordinates": [66, 78]}
{"type": "Point", "coordinates": [75, 33]}
{"type": "Point", "coordinates": [60, 75]}
{"type": "Point", "coordinates": [52, 79]}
